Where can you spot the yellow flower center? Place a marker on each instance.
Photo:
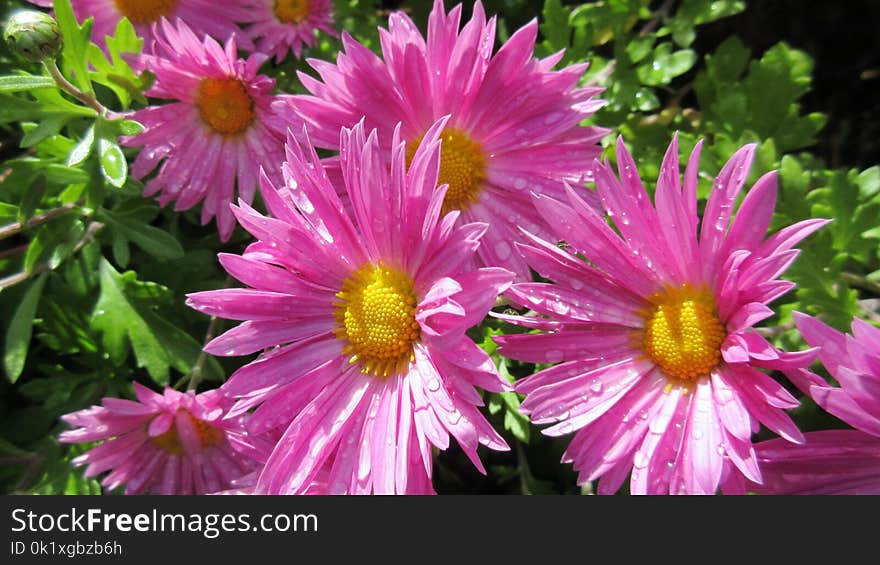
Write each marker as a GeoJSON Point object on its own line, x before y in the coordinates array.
{"type": "Point", "coordinates": [682, 333]}
{"type": "Point", "coordinates": [462, 167]}
{"type": "Point", "coordinates": [144, 11]}
{"type": "Point", "coordinates": [225, 105]}
{"type": "Point", "coordinates": [376, 317]}
{"type": "Point", "coordinates": [292, 11]}
{"type": "Point", "coordinates": [170, 440]}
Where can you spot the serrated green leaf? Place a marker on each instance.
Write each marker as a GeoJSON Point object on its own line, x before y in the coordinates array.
{"type": "Point", "coordinates": [18, 335]}
{"type": "Point", "coordinates": [76, 42]}
{"type": "Point", "coordinates": [554, 26]}
{"type": "Point", "coordinates": [120, 323]}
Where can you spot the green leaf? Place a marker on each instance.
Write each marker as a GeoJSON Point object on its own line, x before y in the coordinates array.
{"type": "Point", "coordinates": [54, 242]}
{"type": "Point", "coordinates": [665, 65]}
{"type": "Point", "coordinates": [869, 182]}
{"type": "Point", "coordinates": [32, 197]}
{"type": "Point", "coordinates": [76, 42]}
{"type": "Point", "coordinates": [82, 149]}
{"type": "Point", "coordinates": [116, 74]}
{"type": "Point", "coordinates": [46, 128]}
{"type": "Point", "coordinates": [18, 83]}
{"type": "Point", "coordinates": [126, 312]}
{"type": "Point", "coordinates": [555, 25]}
{"type": "Point", "coordinates": [113, 164]}
{"type": "Point", "coordinates": [156, 242]}
{"type": "Point", "coordinates": [119, 323]}
{"type": "Point", "coordinates": [121, 250]}
{"type": "Point", "coordinates": [18, 335]}
{"type": "Point", "coordinates": [130, 127]}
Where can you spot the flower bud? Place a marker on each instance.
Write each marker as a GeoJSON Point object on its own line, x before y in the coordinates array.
{"type": "Point", "coordinates": [34, 35]}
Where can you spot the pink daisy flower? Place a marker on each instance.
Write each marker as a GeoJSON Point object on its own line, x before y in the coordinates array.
{"type": "Point", "coordinates": [217, 19]}
{"type": "Point", "coordinates": [514, 125]}
{"type": "Point", "coordinates": [833, 461]}
{"type": "Point", "coordinates": [171, 443]}
{"type": "Point", "coordinates": [365, 314]}
{"type": "Point", "coordinates": [214, 135]}
{"type": "Point", "coordinates": [281, 26]}
{"type": "Point", "coordinates": [659, 369]}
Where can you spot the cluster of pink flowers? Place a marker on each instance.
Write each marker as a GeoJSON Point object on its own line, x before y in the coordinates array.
{"type": "Point", "coordinates": [458, 171]}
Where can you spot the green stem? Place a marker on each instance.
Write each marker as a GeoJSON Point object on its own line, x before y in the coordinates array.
{"type": "Point", "coordinates": [861, 282]}
{"type": "Point", "coordinates": [12, 229]}
{"type": "Point", "coordinates": [12, 280]}
{"type": "Point", "coordinates": [195, 376]}
{"type": "Point", "coordinates": [69, 88]}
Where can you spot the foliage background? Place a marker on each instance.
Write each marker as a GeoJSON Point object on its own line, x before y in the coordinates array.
{"type": "Point", "coordinates": [93, 276]}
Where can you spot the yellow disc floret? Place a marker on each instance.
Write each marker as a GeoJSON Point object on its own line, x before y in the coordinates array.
{"type": "Point", "coordinates": [144, 11]}
{"type": "Point", "coordinates": [170, 440]}
{"type": "Point", "coordinates": [292, 11]}
{"type": "Point", "coordinates": [682, 333]}
{"type": "Point", "coordinates": [462, 167]}
{"type": "Point", "coordinates": [376, 318]}
{"type": "Point", "coordinates": [225, 105]}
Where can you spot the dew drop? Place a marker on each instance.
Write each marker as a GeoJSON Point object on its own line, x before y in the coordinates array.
{"type": "Point", "coordinates": [433, 384]}
{"type": "Point", "coordinates": [554, 356]}
{"type": "Point", "coordinates": [502, 249]}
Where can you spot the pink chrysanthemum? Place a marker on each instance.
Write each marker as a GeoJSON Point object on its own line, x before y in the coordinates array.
{"type": "Point", "coordinates": [217, 19]}
{"type": "Point", "coordinates": [369, 365]}
{"type": "Point", "coordinates": [833, 461]}
{"type": "Point", "coordinates": [216, 130]}
{"type": "Point", "coordinates": [659, 371]}
{"type": "Point", "coordinates": [281, 26]}
{"type": "Point", "coordinates": [171, 443]}
{"type": "Point", "coordinates": [514, 125]}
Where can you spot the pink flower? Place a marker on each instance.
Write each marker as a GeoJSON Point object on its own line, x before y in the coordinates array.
{"type": "Point", "coordinates": [217, 19]}
{"type": "Point", "coordinates": [368, 367]}
{"type": "Point", "coordinates": [171, 443]}
{"type": "Point", "coordinates": [514, 125]}
{"type": "Point", "coordinates": [214, 135]}
{"type": "Point", "coordinates": [281, 26]}
{"type": "Point", "coordinates": [659, 369]}
{"type": "Point", "coordinates": [833, 461]}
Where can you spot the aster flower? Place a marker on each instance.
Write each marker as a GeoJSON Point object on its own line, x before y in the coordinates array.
{"type": "Point", "coordinates": [833, 461]}
{"type": "Point", "coordinates": [658, 365]}
{"type": "Point", "coordinates": [364, 315]}
{"type": "Point", "coordinates": [514, 125]}
{"type": "Point", "coordinates": [170, 443]}
{"type": "Point", "coordinates": [217, 19]}
{"type": "Point", "coordinates": [214, 135]}
{"type": "Point", "coordinates": [281, 26]}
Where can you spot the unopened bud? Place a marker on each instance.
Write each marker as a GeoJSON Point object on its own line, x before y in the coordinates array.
{"type": "Point", "coordinates": [34, 35]}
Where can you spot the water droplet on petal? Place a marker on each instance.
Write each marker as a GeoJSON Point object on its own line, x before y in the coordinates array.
{"type": "Point", "coordinates": [502, 249]}
{"type": "Point", "coordinates": [554, 356]}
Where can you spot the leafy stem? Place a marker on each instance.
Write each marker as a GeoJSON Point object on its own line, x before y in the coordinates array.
{"type": "Point", "coordinates": [14, 228]}
{"type": "Point", "coordinates": [91, 230]}
{"type": "Point", "coordinates": [68, 87]}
